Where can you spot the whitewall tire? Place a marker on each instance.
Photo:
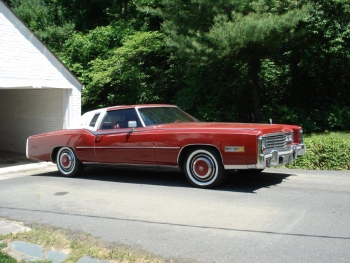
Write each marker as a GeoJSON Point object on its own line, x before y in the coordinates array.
{"type": "Point", "coordinates": [203, 167]}
{"type": "Point", "coordinates": [68, 163]}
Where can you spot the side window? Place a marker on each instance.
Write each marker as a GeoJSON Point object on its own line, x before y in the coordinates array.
{"type": "Point", "coordinates": [94, 119]}
{"type": "Point", "coordinates": [119, 119]}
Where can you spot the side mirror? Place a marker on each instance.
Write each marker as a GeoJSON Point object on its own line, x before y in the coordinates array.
{"type": "Point", "coordinates": [132, 124]}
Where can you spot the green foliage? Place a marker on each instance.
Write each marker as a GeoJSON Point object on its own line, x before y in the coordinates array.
{"type": "Point", "coordinates": [46, 19]}
{"type": "Point", "coordinates": [219, 60]}
{"type": "Point", "coordinates": [5, 258]}
{"type": "Point", "coordinates": [214, 29]}
{"type": "Point", "coordinates": [80, 49]}
{"type": "Point", "coordinates": [212, 92]}
{"type": "Point", "coordinates": [133, 73]}
{"type": "Point", "coordinates": [319, 64]}
{"type": "Point", "coordinates": [210, 30]}
{"type": "Point", "coordinates": [325, 152]}
{"type": "Point", "coordinates": [87, 15]}
{"type": "Point", "coordinates": [333, 118]}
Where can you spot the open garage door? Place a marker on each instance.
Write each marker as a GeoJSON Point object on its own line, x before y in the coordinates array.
{"type": "Point", "coordinates": [25, 112]}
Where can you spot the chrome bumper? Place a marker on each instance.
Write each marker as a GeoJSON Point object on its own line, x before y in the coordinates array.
{"type": "Point", "coordinates": [280, 157]}
{"type": "Point", "coordinates": [273, 157]}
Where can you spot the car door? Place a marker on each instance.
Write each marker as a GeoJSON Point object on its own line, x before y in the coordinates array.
{"type": "Point", "coordinates": [115, 143]}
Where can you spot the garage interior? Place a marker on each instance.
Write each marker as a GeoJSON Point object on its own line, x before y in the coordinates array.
{"type": "Point", "coordinates": [25, 112]}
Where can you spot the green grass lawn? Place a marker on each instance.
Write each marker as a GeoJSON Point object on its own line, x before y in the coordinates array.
{"type": "Point", "coordinates": [76, 245]}
{"type": "Point", "coordinates": [4, 258]}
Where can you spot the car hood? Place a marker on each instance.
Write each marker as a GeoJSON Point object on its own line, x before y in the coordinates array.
{"type": "Point", "coordinates": [259, 127]}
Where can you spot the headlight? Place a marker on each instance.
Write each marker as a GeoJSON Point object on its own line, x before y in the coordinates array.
{"type": "Point", "coordinates": [289, 137]}
{"type": "Point", "coordinates": [263, 144]}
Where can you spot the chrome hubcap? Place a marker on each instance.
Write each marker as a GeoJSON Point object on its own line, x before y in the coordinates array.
{"type": "Point", "coordinates": [67, 161]}
{"type": "Point", "coordinates": [203, 168]}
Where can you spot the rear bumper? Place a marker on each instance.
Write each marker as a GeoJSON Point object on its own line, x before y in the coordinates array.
{"type": "Point", "coordinates": [27, 148]}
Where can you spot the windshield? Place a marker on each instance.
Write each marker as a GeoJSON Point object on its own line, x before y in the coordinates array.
{"type": "Point", "coordinates": [161, 115]}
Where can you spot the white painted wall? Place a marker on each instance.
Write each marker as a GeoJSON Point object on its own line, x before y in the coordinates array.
{"type": "Point", "coordinates": [25, 61]}
{"type": "Point", "coordinates": [27, 112]}
{"type": "Point", "coordinates": [73, 111]}
{"type": "Point", "coordinates": [37, 92]}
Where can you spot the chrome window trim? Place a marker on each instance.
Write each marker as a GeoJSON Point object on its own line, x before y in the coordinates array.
{"type": "Point", "coordinates": [145, 107]}
{"type": "Point", "coordinates": [122, 130]}
{"type": "Point", "coordinates": [140, 117]}
{"type": "Point", "coordinates": [102, 113]}
{"type": "Point", "coordinates": [100, 124]}
{"type": "Point", "coordinates": [161, 106]}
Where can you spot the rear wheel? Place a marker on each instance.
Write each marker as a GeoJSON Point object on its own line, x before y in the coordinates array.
{"type": "Point", "coordinates": [203, 168]}
{"type": "Point", "coordinates": [68, 163]}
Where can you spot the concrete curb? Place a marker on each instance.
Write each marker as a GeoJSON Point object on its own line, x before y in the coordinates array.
{"type": "Point", "coordinates": [7, 227]}
{"type": "Point", "coordinates": [26, 170]}
{"type": "Point", "coordinates": [24, 167]}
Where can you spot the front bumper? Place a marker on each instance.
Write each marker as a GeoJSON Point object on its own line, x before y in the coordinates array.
{"type": "Point", "coordinates": [279, 157]}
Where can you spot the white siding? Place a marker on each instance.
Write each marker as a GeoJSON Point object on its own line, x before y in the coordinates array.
{"type": "Point", "coordinates": [25, 61]}
{"type": "Point", "coordinates": [37, 93]}
{"type": "Point", "coordinates": [74, 107]}
{"type": "Point", "coordinates": [27, 112]}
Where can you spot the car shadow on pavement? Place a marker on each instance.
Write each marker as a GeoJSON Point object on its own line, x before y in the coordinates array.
{"type": "Point", "coordinates": [236, 182]}
{"type": "Point", "coordinates": [249, 183]}
{"type": "Point", "coordinates": [174, 179]}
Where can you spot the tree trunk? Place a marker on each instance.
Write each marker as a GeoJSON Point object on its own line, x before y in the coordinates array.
{"type": "Point", "coordinates": [254, 69]}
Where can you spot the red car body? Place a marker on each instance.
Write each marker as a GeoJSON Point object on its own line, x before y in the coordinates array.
{"type": "Point", "coordinates": [164, 137]}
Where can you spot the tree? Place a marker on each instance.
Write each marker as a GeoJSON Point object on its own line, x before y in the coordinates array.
{"type": "Point", "coordinates": [210, 30]}
{"type": "Point", "coordinates": [320, 67]}
{"type": "Point", "coordinates": [136, 72]}
{"type": "Point", "coordinates": [46, 19]}
{"type": "Point", "coordinates": [88, 15]}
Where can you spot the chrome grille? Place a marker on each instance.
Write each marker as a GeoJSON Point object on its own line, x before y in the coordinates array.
{"type": "Point", "coordinates": [275, 141]}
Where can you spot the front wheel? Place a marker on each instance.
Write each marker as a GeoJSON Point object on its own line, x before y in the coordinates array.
{"type": "Point", "coordinates": [68, 163]}
{"type": "Point", "coordinates": [203, 168]}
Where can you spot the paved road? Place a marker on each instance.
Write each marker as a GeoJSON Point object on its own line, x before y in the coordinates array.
{"type": "Point", "coordinates": [281, 216]}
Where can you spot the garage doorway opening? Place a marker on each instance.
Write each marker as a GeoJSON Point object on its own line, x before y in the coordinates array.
{"type": "Point", "coordinates": [25, 112]}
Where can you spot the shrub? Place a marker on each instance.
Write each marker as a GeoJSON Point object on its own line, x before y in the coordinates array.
{"type": "Point", "coordinates": [330, 151]}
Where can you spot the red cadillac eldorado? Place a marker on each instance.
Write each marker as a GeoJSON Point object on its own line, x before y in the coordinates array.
{"type": "Point", "coordinates": [165, 137]}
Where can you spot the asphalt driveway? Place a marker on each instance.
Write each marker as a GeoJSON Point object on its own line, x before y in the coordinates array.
{"type": "Point", "coordinates": [280, 216]}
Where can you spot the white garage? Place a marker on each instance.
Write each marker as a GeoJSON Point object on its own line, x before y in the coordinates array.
{"type": "Point", "coordinates": [37, 92]}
